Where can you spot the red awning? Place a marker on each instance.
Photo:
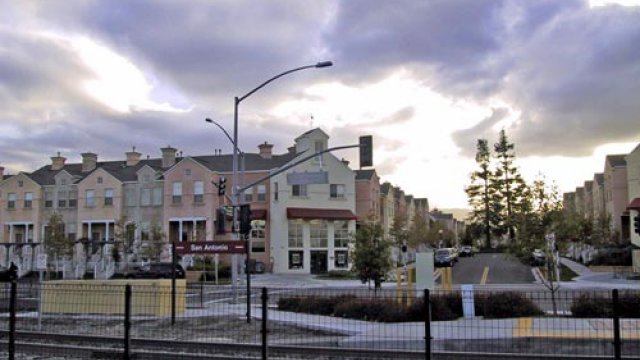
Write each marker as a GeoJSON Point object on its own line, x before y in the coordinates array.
{"type": "Point", "coordinates": [634, 205]}
{"type": "Point", "coordinates": [310, 214]}
{"type": "Point", "coordinates": [258, 214]}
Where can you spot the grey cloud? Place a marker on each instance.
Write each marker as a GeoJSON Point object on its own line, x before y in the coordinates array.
{"type": "Point", "coordinates": [466, 139]}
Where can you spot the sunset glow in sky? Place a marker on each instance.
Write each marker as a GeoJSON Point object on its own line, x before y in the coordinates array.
{"type": "Point", "coordinates": [425, 78]}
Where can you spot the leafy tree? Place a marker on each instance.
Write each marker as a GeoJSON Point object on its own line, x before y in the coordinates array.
{"type": "Point", "coordinates": [417, 234]}
{"type": "Point", "coordinates": [483, 195]}
{"type": "Point", "coordinates": [124, 234]}
{"type": "Point", "coordinates": [56, 243]}
{"type": "Point", "coordinates": [152, 247]}
{"type": "Point", "coordinates": [399, 232]}
{"type": "Point", "coordinates": [372, 255]}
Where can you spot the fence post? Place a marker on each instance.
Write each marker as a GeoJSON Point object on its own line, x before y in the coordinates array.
{"type": "Point", "coordinates": [427, 324]}
{"type": "Point", "coordinates": [617, 343]}
{"type": "Point", "coordinates": [12, 320]}
{"type": "Point", "coordinates": [127, 322]}
{"type": "Point", "coordinates": [265, 313]}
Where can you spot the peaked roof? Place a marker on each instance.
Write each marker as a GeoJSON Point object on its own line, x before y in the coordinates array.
{"type": "Point", "coordinates": [598, 178]}
{"type": "Point", "coordinates": [385, 187]}
{"type": "Point", "coordinates": [365, 174]}
{"type": "Point", "coordinates": [616, 160]}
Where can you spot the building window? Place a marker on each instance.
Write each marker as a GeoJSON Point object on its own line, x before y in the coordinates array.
{"type": "Point", "coordinates": [275, 191]}
{"type": "Point", "coordinates": [20, 183]}
{"type": "Point", "coordinates": [177, 193]}
{"type": "Point", "coordinates": [262, 193]}
{"type": "Point", "coordinates": [62, 199]}
{"type": "Point", "coordinates": [336, 191]}
{"type": "Point", "coordinates": [296, 259]}
{"type": "Point", "coordinates": [145, 197]}
{"type": "Point", "coordinates": [11, 201]}
{"type": "Point", "coordinates": [248, 195]}
{"type": "Point", "coordinates": [341, 234]}
{"type": "Point", "coordinates": [144, 231]}
{"type": "Point", "coordinates": [73, 201]}
{"type": "Point", "coordinates": [299, 190]}
{"type": "Point", "coordinates": [341, 259]}
{"type": "Point", "coordinates": [28, 199]}
{"type": "Point", "coordinates": [258, 236]}
{"type": "Point", "coordinates": [48, 199]}
{"type": "Point", "coordinates": [157, 196]}
{"type": "Point", "coordinates": [295, 234]}
{"type": "Point", "coordinates": [318, 233]}
{"type": "Point", "coordinates": [90, 198]}
{"type": "Point", "coordinates": [198, 192]}
{"type": "Point", "coordinates": [108, 197]}
{"type": "Point", "coordinates": [318, 147]}
{"type": "Point", "coordinates": [187, 172]}
{"type": "Point", "coordinates": [130, 197]}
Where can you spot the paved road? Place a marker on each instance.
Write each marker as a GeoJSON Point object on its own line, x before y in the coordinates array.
{"type": "Point", "coordinates": [492, 269]}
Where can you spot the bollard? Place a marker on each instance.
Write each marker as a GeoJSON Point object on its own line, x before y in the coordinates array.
{"type": "Point", "coordinates": [427, 324]}
{"type": "Point", "coordinates": [12, 320]}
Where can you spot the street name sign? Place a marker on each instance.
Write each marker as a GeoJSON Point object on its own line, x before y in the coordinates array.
{"type": "Point", "coordinates": [210, 247]}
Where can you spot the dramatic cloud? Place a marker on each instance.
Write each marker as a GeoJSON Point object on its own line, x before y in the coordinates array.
{"type": "Point", "coordinates": [426, 78]}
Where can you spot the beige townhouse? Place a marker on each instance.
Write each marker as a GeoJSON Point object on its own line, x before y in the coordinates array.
{"type": "Point", "coordinates": [367, 195]}
{"type": "Point", "coordinates": [616, 193]}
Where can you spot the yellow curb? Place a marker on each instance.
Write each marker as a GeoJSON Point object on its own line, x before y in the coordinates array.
{"type": "Point", "coordinates": [485, 275]}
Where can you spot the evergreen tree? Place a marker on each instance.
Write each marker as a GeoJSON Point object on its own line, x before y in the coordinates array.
{"type": "Point", "coordinates": [372, 255]}
{"type": "Point", "coordinates": [511, 186]}
{"type": "Point", "coordinates": [482, 195]}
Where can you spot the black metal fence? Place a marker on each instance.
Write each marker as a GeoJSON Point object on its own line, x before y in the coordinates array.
{"type": "Point", "coordinates": [139, 320]}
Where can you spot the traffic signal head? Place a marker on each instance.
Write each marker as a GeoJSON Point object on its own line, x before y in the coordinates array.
{"type": "Point", "coordinates": [222, 185]}
{"type": "Point", "coordinates": [245, 219]}
{"type": "Point", "coordinates": [636, 224]}
{"type": "Point", "coordinates": [366, 151]}
{"type": "Point", "coordinates": [220, 220]}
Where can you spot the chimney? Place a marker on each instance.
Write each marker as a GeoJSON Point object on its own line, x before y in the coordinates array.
{"type": "Point", "coordinates": [57, 162]}
{"type": "Point", "coordinates": [133, 157]}
{"type": "Point", "coordinates": [265, 150]}
{"type": "Point", "coordinates": [89, 161]}
{"type": "Point", "coordinates": [168, 156]}
{"type": "Point", "coordinates": [345, 161]}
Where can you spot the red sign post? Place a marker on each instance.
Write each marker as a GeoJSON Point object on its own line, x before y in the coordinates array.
{"type": "Point", "coordinates": [210, 247]}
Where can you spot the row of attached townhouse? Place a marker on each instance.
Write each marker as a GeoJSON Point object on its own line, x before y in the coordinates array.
{"type": "Point", "coordinates": [614, 193]}
{"type": "Point", "coordinates": [297, 227]}
{"type": "Point", "coordinates": [303, 219]}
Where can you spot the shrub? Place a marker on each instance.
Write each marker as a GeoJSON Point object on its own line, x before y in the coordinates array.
{"type": "Point", "coordinates": [441, 309]}
{"type": "Point", "coordinates": [509, 304]}
{"type": "Point", "coordinates": [313, 304]}
{"type": "Point", "coordinates": [590, 306]}
{"type": "Point", "coordinates": [371, 310]}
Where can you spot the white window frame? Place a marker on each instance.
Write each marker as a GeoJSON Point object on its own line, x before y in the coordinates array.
{"type": "Point", "coordinates": [177, 193]}
{"type": "Point", "coordinates": [337, 191]}
{"type": "Point", "coordinates": [89, 198]}
{"type": "Point", "coordinates": [108, 197]}
{"type": "Point", "coordinates": [295, 234]}
{"type": "Point", "coordinates": [198, 191]}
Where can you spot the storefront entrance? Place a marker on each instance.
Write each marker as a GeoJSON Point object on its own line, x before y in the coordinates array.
{"type": "Point", "coordinates": [318, 262]}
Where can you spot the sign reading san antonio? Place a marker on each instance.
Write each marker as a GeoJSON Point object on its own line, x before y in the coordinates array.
{"type": "Point", "coordinates": [210, 247]}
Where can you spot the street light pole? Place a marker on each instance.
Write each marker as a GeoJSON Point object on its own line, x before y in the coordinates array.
{"type": "Point", "coordinates": [234, 190]}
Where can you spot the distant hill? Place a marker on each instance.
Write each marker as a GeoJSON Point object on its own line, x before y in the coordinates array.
{"type": "Point", "coordinates": [459, 214]}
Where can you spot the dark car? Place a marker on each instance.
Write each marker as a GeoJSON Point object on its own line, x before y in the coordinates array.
{"type": "Point", "coordinates": [156, 271]}
{"type": "Point", "coordinates": [538, 258]}
{"type": "Point", "coordinates": [442, 258]}
{"type": "Point", "coordinates": [466, 251]}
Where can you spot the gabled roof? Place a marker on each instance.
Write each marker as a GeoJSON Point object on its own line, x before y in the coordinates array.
{"type": "Point", "coordinates": [598, 178]}
{"type": "Point", "coordinates": [616, 160]}
{"type": "Point", "coordinates": [252, 162]}
{"type": "Point", "coordinates": [311, 131]}
{"type": "Point", "coordinates": [365, 174]}
{"type": "Point", "coordinates": [588, 185]}
{"type": "Point", "coordinates": [385, 187]}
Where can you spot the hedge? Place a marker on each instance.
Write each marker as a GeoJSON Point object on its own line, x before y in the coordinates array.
{"type": "Point", "coordinates": [595, 306]}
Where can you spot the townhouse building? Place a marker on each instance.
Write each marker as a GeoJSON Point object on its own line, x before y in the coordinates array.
{"type": "Point", "coordinates": [598, 198]}
{"type": "Point", "coordinates": [616, 193]}
{"type": "Point", "coordinates": [387, 207]}
{"type": "Point", "coordinates": [367, 196]}
{"type": "Point", "coordinates": [588, 199]}
{"type": "Point", "coordinates": [633, 180]}
{"type": "Point", "coordinates": [579, 201]}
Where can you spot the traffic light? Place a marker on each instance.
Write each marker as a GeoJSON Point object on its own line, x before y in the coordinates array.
{"type": "Point", "coordinates": [366, 151]}
{"type": "Point", "coordinates": [245, 219]}
{"type": "Point", "coordinates": [222, 185]}
{"type": "Point", "coordinates": [221, 217]}
{"type": "Point", "coordinates": [636, 224]}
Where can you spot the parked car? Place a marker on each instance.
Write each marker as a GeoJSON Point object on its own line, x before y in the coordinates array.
{"type": "Point", "coordinates": [453, 252]}
{"type": "Point", "coordinates": [156, 271]}
{"type": "Point", "coordinates": [538, 258]}
{"type": "Point", "coordinates": [466, 251]}
{"type": "Point", "coordinates": [442, 258]}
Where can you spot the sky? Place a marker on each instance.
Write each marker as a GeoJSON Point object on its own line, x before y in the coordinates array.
{"type": "Point", "coordinates": [425, 78]}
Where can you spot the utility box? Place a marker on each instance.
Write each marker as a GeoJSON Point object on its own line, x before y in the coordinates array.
{"type": "Point", "coordinates": [424, 271]}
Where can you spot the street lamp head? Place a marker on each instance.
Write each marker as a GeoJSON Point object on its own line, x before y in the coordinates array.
{"type": "Point", "coordinates": [324, 64]}
{"type": "Point", "coordinates": [208, 120]}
